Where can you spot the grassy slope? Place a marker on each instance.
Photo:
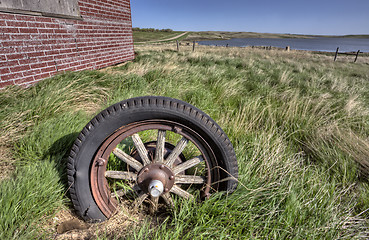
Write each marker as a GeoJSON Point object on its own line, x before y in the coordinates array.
{"type": "Point", "coordinates": [141, 36]}
{"type": "Point", "coordinates": [299, 124]}
{"type": "Point", "coordinates": [220, 35]}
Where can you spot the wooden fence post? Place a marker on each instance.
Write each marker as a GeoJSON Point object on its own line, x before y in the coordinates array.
{"type": "Point", "coordinates": [288, 48]}
{"type": "Point", "coordinates": [335, 56]}
{"type": "Point", "coordinates": [357, 54]}
{"type": "Point", "coordinates": [193, 47]}
{"type": "Point", "coordinates": [177, 46]}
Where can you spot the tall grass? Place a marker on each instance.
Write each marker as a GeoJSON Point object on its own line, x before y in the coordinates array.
{"type": "Point", "coordinates": [299, 124]}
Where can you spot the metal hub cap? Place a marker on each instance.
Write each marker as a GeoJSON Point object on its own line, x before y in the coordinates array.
{"type": "Point", "coordinates": [156, 188]}
{"type": "Point", "coordinates": [154, 175]}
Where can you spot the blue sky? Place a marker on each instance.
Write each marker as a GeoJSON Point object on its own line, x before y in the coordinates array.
{"type": "Point", "coordinates": [333, 17]}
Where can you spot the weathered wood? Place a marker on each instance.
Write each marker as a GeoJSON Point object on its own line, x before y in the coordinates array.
{"type": "Point", "coordinates": [127, 159]}
{"type": "Point", "coordinates": [122, 192]}
{"type": "Point", "coordinates": [357, 54]}
{"type": "Point", "coordinates": [160, 146]}
{"type": "Point", "coordinates": [187, 164]}
{"type": "Point", "coordinates": [180, 192]}
{"type": "Point", "coordinates": [176, 152]}
{"type": "Point", "coordinates": [193, 47]}
{"type": "Point", "coordinates": [141, 149]}
{"type": "Point", "coordinates": [168, 199]}
{"type": "Point", "coordinates": [288, 48]}
{"type": "Point", "coordinates": [46, 7]}
{"type": "Point", "coordinates": [335, 56]}
{"type": "Point", "coordinates": [140, 199]}
{"type": "Point", "coordinates": [154, 204]}
{"type": "Point", "coordinates": [177, 45]}
{"type": "Point", "coordinates": [121, 175]}
{"type": "Point", "coordinates": [189, 179]}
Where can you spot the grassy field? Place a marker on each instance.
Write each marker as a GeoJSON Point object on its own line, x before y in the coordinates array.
{"type": "Point", "coordinates": [222, 35]}
{"type": "Point", "coordinates": [142, 36]}
{"type": "Point", "coordinates": [299, 123]}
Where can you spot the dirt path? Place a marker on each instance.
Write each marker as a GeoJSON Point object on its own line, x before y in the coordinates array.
{"type": "Point", "coordinates": [167, 39]}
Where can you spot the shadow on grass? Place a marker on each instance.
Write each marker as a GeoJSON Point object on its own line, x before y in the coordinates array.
{"type": "Point", "coordinates": [59, 152]}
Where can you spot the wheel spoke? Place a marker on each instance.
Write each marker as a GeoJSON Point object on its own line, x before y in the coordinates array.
{"type": "Point", "coordinates": [139, 200]}
{"type": "Point", "coordinates": [187, 164]}
{"type": "Point", "coordinates": [189, 179]}
{"type": "Point", "coordinates": [176, 151]}
{"type": "Point", "coordinates": [180, 192]}
{"type": "Point", "coordinates": [168, 199]}
{"type": "Point", "coordinates": [128, 159]}
{"type": "Point", "coordinates": [142, 151]}
{"type": "Point", "coordinates": [121, 175]}
{"type": "Point", "coordinates": [122, 192]}
{"type": "Point", "coordinates": [154, 204]}
{"type": "Point", "coordinates": [160, 145]}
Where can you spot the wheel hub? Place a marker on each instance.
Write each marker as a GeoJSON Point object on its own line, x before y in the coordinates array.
{"type": "Point", "coordinates": [155, 179]}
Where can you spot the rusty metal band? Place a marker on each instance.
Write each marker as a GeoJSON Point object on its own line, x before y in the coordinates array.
{"type": "Point", "coordinates": [99, 185]}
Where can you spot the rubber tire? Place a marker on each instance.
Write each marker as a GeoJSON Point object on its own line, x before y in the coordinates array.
{"type": "Point", "coordinates": [130, 111]}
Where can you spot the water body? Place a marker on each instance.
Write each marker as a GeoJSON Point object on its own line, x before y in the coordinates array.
{"type": "Point", "coordinates": [310, 44]}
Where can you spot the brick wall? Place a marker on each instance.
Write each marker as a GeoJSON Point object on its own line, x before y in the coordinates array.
{"type": "Point", "coordinates": [37, 47]}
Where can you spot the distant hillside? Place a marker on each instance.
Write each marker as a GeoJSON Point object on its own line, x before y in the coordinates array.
{"type": "Point", "coordinates": [151, 34]}
{"type": "Point", "coordinates": [223, 35]}
{"type": "Point", "coordinates": [356, 36]}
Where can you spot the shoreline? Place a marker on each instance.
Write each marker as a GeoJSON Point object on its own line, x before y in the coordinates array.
{"type": "Point", "coordinates": [224, 35]}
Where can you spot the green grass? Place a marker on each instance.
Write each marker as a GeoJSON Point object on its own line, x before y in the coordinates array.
{"type": "Point", "coordinates": [32, 194]}
{"type": "Point", "coordinates": [142, 36]}
{"type": "Point", "coordinates": [299, 123]}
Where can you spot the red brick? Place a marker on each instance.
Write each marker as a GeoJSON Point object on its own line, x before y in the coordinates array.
{"type": "Point", "coordinates": [20, 37]}
{"type": "Point", "coordinates": [45, 30]}
{"type": "Point", "coordinates": [38, 43]}
{"type": "Point", "coordinates": [24, 48]}
{"type": "Point", "coordinates": [24, 17]}
{"type": "Point", "coordinates": [32, 72]}
{"type": "Point", "coordinates": [37, 65]}
{"type": "Point", "coordinates": [43, 19]}
{"type": "Point", "coordinates": [19, 68]}
{"type": "Point", "coordinates": [43, 75]}
{"type": "Point", "coordinates": [16, 24]}
{"type": "Point", "coordinates": [24, 61]}
{"type": "Point", "coordinates": [9, 30]}
{"type": "Point", "coordinates": [4, 84]}
{"type": "Point", "coordinates": [35, 54]}
{"type": "Point", "coordinates": [51, 25]}
{"type": "Point", "coordinates": [10, 63]}
{"type": "Point", "coordinates": [24, 80]}
{"type": "Point", "coordinates": [4, 71]}
{"type": "Point", "coordinates": [37, 77]}
{"type": "Point", "coordinates": [10, 77]}
{"type": "Point", "coordinates": [15, 56]}
{"type": "Point", "coordinates": [52, 63]}
{"type": "Point", "coordinates": [52, 68]}
{"type": "Point", "coordinates": [7, 16]}
{"type": "Point", "coordinates": [35, 25]}
{"type": "Point", "coordinates": [28, 30]}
